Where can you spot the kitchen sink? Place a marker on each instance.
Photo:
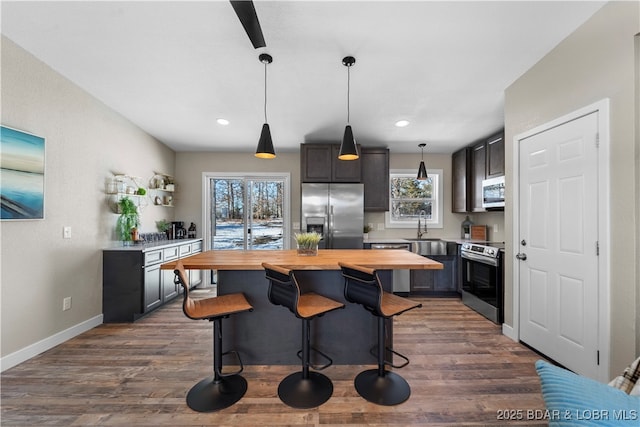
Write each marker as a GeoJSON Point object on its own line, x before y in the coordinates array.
{"type": "Point", "coordinates": [428, 247]}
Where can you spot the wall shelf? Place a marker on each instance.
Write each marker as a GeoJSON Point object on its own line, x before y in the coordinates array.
{"type": "Point", "coordinates": [161, 189]}
{"type": "Point", "coordinates": [120, 186]}
{"type": "Point", "coordinates": [158, 191]}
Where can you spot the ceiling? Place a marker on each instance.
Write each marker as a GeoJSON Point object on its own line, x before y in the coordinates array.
{"type": "Point", "coordinates": [174, 67]}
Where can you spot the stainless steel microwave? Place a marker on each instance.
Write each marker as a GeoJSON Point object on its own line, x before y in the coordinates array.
{"type": "Point", "coordinates": [493, 193]}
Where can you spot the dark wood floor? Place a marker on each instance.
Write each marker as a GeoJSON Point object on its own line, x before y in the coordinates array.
{"type": "Point", "coordinates": [462, 372]}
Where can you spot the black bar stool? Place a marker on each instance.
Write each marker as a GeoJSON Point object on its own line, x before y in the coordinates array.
{"type": "Point", "coordinates": [362, 286]}
{"type": "Point", "coordinates": [301, 389]}
{"type": "Point", "coordinates": [220, 390]}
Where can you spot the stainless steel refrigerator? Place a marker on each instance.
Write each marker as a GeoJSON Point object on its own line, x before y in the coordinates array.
{"type": "Point", "coordinates": [336, 211]}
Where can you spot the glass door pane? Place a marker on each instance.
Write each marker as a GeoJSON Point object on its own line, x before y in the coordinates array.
{"type": "Point", "coordinates": [266, 225]}
{"type": "Point", "coordinates": [228, 214]}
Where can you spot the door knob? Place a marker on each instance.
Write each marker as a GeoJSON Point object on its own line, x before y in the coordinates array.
{"type": "Point", "coordinates": [521, 256]}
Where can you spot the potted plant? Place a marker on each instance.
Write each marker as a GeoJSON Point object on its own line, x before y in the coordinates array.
{"type": "Point", "coordinates": [128, 221]}
{"type": "Point", "coordinates": [308, 243]}
{"type": "Point", "coordinates": [163, 226]}
{"type": "Point", "coordinates": [365, 232]}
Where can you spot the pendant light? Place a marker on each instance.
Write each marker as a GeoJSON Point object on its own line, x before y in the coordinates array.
{"type": "Point", "coordinates": [348, 149]}
{"type": "Point", "coordinates": [422, 170]}
{"type": "Point", "coordinates": [265, 144]}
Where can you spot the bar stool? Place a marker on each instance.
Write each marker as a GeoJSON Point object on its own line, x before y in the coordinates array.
{"type": "Point", "coordinates": [302, 389]}
{"type": "Point", "coordinates": [362, 286]}
{"type": "Point", "coordinates": [220, 390]}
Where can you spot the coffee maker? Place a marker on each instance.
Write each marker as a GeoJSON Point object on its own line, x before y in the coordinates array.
{"type": "Point", "coordinates": [178, 230]}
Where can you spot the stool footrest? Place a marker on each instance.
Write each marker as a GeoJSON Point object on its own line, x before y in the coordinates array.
{"type": "Point", "coordinates": [324, 356]}
{"type": "Point", "coordinates": [373, 351]}
{"type": "Point", "coordinates": [230, 374]}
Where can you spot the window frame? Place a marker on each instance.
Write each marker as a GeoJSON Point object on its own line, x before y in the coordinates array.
{"type": "Point", "coordinates": [437, 210]}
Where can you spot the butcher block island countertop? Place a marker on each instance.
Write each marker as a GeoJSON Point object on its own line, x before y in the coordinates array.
{"type": "Point", "coordinates": [327, 259]}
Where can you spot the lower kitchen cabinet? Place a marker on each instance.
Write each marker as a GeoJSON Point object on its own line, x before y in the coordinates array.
{"type": "Point", "coordinates": [437, 282]}
{"type": "Point", "coordinates": [133, 283]}
{"type": "Point", "coordinates": [152, 288]}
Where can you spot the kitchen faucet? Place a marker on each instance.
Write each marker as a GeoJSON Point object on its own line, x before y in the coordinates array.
{"type": "Point", "coordinates": [422, 215]}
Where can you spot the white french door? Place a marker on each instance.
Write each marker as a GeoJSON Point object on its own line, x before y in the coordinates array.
{"type": "Point", "coordinates": [558, 244]}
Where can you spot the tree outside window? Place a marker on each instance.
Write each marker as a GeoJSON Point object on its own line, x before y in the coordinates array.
{"type": "Point", "coordinates": [410, 199]}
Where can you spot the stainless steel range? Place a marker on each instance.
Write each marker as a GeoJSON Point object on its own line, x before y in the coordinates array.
{"type": "Point", "coordinates": [482, 279]}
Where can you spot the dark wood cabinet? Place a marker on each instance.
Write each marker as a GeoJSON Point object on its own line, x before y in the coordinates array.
{"type": "Point", "coordinates": [375, 177]}
{"type": "Point", "coordinates": [320, 163]}
{"type": "Point", "coordinates": [437, 282]}
{"type": "Point", "coordinates": [133, 283]}
{"type": "Point", "coordinates": [495, 156]}
{"type": "Point", "coordinates": [461, 181]}
{"type": "Point", "coordinates": [478, 173]}
{"type": "Point", "coordinates": [470, 166]}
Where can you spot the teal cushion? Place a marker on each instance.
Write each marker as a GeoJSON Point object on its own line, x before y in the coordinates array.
{"type": "Point", "coordinates": [573, 400]}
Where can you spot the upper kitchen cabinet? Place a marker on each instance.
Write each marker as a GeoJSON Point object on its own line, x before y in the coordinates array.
{"type": "Point", "coordinates": [375, 177]}
{"type": "Point", "coordinates": [470, 166]}
{"type": "Point", "coordinates": [320, 163]}
{"type": "Point", "coordinates": [495, 156]}
{"type": "Point", "coordinates": [478, 174]}
{"type": "Point", "coordinates": [461, 186]}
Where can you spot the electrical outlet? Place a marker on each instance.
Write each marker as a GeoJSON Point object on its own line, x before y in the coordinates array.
{"type": "Point", "coordinates": [66, 232]}
{"type": "Point", "coordinates": [495, 228]}
{"type": "Point", "coordinates": [66, 304]}
{"type": "Point", "coordinates": [380, 226]}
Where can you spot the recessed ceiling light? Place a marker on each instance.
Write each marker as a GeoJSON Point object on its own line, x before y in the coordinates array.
{"type": "Point", "coordinates": [223, 122]}
{"type": "Point", "coordinates": [402, 123]}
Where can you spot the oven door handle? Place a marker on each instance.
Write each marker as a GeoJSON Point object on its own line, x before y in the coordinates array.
{"type": "Point", "coordinates": [479, 258]}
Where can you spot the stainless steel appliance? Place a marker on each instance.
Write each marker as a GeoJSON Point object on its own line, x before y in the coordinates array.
{"type": "Point", "coordinates": [482, 279]}
{"type": "Point", "coordinates": [177, 230]}
{"type": "Point", "coordinates": [401, 278]}
{"type": "Point", "coordinates": [336, 211]}
{"type": "Point", "coordinates": [493, 193]}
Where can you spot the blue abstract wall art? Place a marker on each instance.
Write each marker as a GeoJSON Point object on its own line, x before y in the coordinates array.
{"type": "Point", "coordinates": [21, 175]}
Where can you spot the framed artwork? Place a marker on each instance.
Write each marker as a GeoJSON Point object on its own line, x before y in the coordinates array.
{"type": "Point", "coordinates": [21, 175]}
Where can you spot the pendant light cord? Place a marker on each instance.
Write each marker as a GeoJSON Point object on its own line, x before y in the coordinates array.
{"type": "Point", "coordinates": [348, 92]}
{"type": "Point", "coordinates": [265, 92]}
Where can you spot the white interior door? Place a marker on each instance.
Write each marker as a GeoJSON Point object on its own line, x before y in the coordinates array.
{"type": "Point", "coordinates": [558, 235]}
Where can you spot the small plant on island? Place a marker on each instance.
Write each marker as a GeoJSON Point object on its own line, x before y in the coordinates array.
{"type": "Point", "coordinates": [308, 243]}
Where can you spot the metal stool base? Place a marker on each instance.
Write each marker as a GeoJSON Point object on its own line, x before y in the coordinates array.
{"type": "Point", "coordinates": [211, 395]}
{"type": "Point", "coordinates": [302, 393]}
{"type": "Point", "coordinates": [390, 389]}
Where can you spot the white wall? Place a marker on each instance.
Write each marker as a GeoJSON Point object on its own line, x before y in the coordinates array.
{"type": "Point", "coordinates": [597, 61]}
{"type": "Point", "coordinates": [85, 142]}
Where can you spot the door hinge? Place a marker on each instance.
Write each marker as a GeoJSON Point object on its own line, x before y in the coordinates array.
{"type": "Point", "coordinates": [597, 248]}
{"type": "Point", "coordinates": [597, 140]}
{"type": "Point", "coordinates": [598, 357]}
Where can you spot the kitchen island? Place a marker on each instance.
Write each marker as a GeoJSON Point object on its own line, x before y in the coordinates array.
{"type": "Point", "coordinates": [270, 335]}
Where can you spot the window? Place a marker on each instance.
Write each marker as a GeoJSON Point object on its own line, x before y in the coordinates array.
{"type": "Point", "coordinates": [410, 199]}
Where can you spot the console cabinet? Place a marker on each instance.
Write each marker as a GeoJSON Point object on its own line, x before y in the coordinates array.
{"type": "Point", "coordinates": [133, 283]}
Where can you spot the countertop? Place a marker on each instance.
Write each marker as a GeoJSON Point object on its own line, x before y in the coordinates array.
{"type": "Point", "coordinates": [327, 259]}
{"type": "Point", "coordinates": [144, 247]}
{"type": "Point", "coordinates": [457, 240]}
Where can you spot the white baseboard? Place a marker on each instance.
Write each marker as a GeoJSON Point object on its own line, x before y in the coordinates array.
{"type": "Point", "coordinates": [508, 331]}
{"type": "Point", "coordinates": [13, 359]}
